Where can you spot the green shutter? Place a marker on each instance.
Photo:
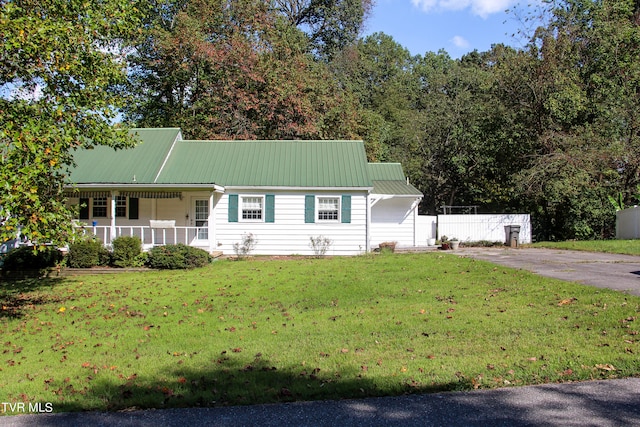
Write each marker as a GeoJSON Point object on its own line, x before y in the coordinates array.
{"type": "Point", "coordinates": [309, 208]}
{"type": "Point", "coordinates": [345, 213]}
{"type": "Point", "coordinates": [134, 208]}
{"type": "Point", "coordinates": [269, 208]}
{"type": "Point", "coordinates": [84, 209]}
{"type": "Point", "coordinates": [233, 208]}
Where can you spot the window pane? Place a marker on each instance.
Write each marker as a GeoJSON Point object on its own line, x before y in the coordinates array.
{"type": "Point", "coordinates": [99, 207]}
{"type": "Point", "coordinates": [121, 206]}
{"type": "Point", "coordinates": [252, 208]}
{"type": "Point", "coordinates": [328, 208]}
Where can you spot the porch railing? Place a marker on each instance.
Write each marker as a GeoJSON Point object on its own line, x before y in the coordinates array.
{"type": "Point", "coordinates": [149, 236]}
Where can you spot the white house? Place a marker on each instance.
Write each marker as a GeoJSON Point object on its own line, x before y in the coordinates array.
{"type": "Point", "coordinates": [210, 193]}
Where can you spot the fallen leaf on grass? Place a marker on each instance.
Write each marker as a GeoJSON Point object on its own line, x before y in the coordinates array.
{"type": "Point", "coordinates": [606, 367]}
{"type": "Point", "coordinates": [567, 301]}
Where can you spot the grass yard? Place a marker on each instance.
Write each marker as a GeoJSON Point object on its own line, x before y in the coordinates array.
{"type": "Point", "coordinates": [260, 331]}
{"type": "Point", "coordinates": [628, 247]}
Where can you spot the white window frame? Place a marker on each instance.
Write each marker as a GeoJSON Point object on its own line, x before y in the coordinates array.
{"type": "Point", "coordinates": [121, 203]}
{"type": "Point", "coordinates": [104, 206]}
{"type": "Point", "coordinates": [245, 201]}
{"type": "Point", "coordinates": [320, 205]}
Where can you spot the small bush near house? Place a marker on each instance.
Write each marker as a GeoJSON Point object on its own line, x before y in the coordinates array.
{"type": "Point", "coordinates": [87, 254]}
{"type": "Point", "coordinates": [28, 258]}
{"type": "Point", "coordinates": [320, 245]}
{"type": "Point", "coordinates": [175, 257]}
{"type": "Point", "coordinates": [248, 244]}
{"type": "Point", "coordinates": [127, 251]}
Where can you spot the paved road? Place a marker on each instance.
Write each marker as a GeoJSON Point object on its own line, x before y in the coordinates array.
{"type": "Point", "coordinates": [593, 403]}
{"type": "Point", "coordinates": [619, 272]}
{"type": "Point", "coordinates": [596, 403]}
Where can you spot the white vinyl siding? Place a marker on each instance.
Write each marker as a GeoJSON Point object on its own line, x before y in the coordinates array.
{"type": "Point", "coordinates": [392, 220]}
{"type": "Point", "coordinates": [289, 233]}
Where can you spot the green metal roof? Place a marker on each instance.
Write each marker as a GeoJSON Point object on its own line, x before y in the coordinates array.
{"type": "Point", "coordinates": [162, 158]}
{"type": "Point", "coordinates": [104, 165]}
{"type": "Point", "coordinates": [399, 188]}
{"type": "Point", "coordinates": [386, 172]}
{"type": "Point", "coordinates": [268, 163]}
{"type": "Point", "coordinates": [389, 178]}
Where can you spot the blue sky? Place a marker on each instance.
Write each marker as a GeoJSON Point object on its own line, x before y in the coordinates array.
{"type": "Point", "coordinates": [457, 26]}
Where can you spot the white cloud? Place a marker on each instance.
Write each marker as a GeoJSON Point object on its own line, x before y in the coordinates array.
{"type": "Point", "coordinates": [481, 8]}
{"type": "Point", "coordinates": [460, 42]}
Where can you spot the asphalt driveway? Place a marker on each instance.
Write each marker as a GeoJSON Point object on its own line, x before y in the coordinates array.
{"type": "Point", "coordinates": [618, 272]}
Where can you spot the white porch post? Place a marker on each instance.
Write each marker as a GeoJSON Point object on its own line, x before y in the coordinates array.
{"type": "Point", "coordinates": [211, 222]}
{"type": "Point", "coordinates": [114, 194]}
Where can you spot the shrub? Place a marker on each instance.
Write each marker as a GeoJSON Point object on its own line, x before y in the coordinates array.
{"type": "Point", "coordinates": [248, 244]}
{"type": "Point", "coordinates": [126, 251]}
{"type": "Point", "coordinates": [87, 254]}
{"type": "Point", "coordinates": [320, 245]}
{"type": "Point", "coordinates": [29, 258]}
{"type": "Point", "coordinates": [180, 256]}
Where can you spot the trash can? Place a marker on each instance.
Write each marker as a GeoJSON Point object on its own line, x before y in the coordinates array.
{"type": "Point", "coordinates": [513, 235]}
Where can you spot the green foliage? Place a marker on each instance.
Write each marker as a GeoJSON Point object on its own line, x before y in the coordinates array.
{"type": "Point", "coordinates": [231, 70]}
{"type": "Point", "coordinates": [126, 251]}
{"type": "Point", "coordinates": [87, 253]}
{"type": "Point", "coordinates": [330, 26]}
{"type": "Point", "coordinates": [62, 71]}
{"type": "Point", "coordinates": [31, 258]}
{"type": "Point", "coordinates": [176, 257]}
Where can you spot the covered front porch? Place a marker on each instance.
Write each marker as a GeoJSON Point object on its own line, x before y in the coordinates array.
{"type": "Point", "coordinates": [151, 236]}
{"type": "Point", "coordinates": [158, 217]}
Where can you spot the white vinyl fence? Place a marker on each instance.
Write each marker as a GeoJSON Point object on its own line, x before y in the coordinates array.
{"type": "Point", "coordinates": [628, 223]}
{"type": "Point", "coordinates": [473, 228]}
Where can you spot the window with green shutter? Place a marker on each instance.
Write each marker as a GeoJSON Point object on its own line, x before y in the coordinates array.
{"type": "Point", "coordinates": [309, 208]}
{"type": "Point", "coordinates": [233, 208]}
{"type": "Point", "coordinates": [134, 208]}
{"type": "Point", "coordinates": [84, 208]}
{"type": "Point", "coordinates": [269, 208]}
{"type": "Point", "coordinates": [345, 211]}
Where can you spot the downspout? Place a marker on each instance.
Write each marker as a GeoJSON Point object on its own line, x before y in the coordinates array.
{"type": "Point", "coordinates": [114, 194]}
{"type": "Point", "coordinates": [368, 226]}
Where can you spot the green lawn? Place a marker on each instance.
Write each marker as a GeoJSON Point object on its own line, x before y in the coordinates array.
{"type": "Point", "coordinates": [261, 331]}
{"type": "Point", "coordinates": [628, 247]}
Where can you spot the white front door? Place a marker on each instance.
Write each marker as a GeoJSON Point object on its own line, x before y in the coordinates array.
{"type": "Point", "coordinates": [201, 217]}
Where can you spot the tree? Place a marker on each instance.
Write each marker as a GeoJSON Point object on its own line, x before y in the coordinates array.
{"type": "Point", "coordinates": [230, 70]}
{"type": "Point", "coordinates": [330, 25]}
{"type": "Point", "coordinates": [577, 83]}
{"type": "Point", "coordinates": [60, 75]}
